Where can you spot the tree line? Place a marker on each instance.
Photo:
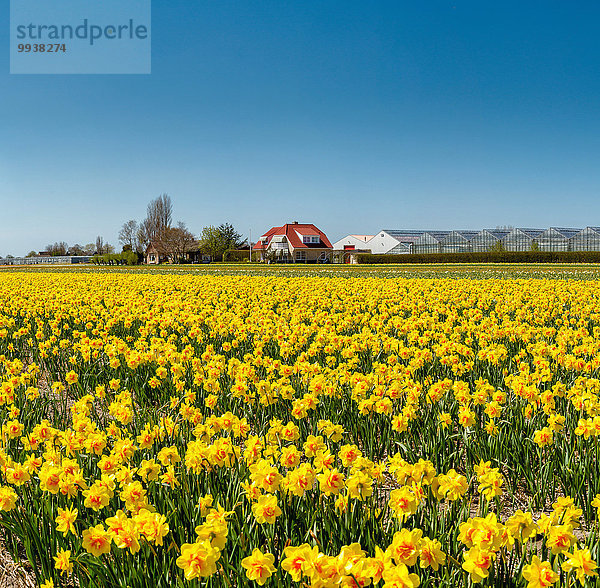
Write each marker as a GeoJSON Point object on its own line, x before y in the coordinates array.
{"type": "Point", "coordinates": [61, 248]}
{"type": "Point", "coordinates": [175, 241]}
{"type": "Point", "coordinates": [170, 240]}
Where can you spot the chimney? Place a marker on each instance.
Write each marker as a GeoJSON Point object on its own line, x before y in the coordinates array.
{"type": "Point", "coordinates": [295, 222]}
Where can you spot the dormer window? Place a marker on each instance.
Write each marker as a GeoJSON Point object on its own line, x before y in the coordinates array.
{"type": "Point", "coordinates": [309, 239]}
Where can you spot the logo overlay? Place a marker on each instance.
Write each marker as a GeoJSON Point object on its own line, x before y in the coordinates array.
{"type": "Point", "coordinates": [80, 36]}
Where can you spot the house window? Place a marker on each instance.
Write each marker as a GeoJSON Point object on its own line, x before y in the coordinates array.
{"type": "Point", "coordinates": [300, 255]}
{"type": "Point", "coordinates": [152, 257]}
{"type": "Point", "coordinates": [311, 239]}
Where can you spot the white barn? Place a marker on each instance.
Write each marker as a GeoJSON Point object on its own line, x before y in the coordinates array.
{"type": "Point", "coordinates": [352, 242]}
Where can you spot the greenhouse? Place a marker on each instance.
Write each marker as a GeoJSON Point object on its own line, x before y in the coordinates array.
{"type": "Point", "coordinates": [430, 242]}
{"type": "Point", "coordinates": [556, 239]}
{"type": "Point", "coordinates": [586, 240]}
{"type": "Point", "coordinates": [457, 242]}
{"type": "Point", "coordinates": [506, 239]}
{"type": "Point", "coordinates": [521, 239]}
{"type": "Point", "coordinates": [46, 260]}
{"type": "Point", "coordinates": [401, 248]}
{"type": "Point", "coordinates": [488, 240]}
{"type": "Point", "coordinates": [406, 240]}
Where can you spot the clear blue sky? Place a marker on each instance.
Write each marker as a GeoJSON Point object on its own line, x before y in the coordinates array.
{"type": "Point", "coordinates": [353, 115]}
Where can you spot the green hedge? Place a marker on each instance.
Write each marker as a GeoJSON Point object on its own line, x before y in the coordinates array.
{"type": "Point", "coordinates": [125, 258]}
{"type": "Point", "coordinates": [236, 255]}
{"type": "Point", "coordinates": [486, 257]}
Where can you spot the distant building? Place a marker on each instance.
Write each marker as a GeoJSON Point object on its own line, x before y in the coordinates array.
{"type": "Point", "coordinates": [430, 242]}
{"type": "Point", "coordinates": [587, 239]}
{"type": "Point", "coordinates": [351, 242]}
{"type": "Point", "coordinates": [46, 260]}
{"type": "Point", "coordinates": [457, 241]}
{"type": "Point", "coordinates": [521, 239]}
{"type": "Point", "coordinates": [488, 239]}
{"type": "Point", "coordinates": [391, 241]}
{"type": "Point", "coordinates": [557, 239]}
{"type": "Point", "coordinates": [153, 255]}
{"type": "Point", "coordinates": [294, 243]}
{"type": "Point", "coordinates": [385, 241]}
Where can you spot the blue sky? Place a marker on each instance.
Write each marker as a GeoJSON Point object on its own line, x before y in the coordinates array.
{"type": "Point", "coordinates": [353, 115]}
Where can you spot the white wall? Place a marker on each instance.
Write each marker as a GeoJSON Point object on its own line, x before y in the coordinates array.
{"type": "Point", "coordinates": [381, 243]}
{"type": "Point", "coordinates": [350, 240]}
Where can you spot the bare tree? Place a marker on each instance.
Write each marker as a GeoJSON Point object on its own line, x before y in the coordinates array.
{"type": "Point", "coordinates": [99, 245]}
{"type": "Point", "coordinates": [143, 235]}
{"type": "Point", "coordinates": [164, 211]}
{"type": "Point", "coordinates": [128, 235]}
{"type": "Point", "coordinates": [76, 250]}
{"type": "Point", "coordinates": [57, 248]}
{"type": "Point", "coordinates": [159, 216]}
{"type": "Point", "coordinates": [175, 242]}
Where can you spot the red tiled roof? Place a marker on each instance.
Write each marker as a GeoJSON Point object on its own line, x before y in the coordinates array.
{"type": "Point", "coordinates": [291, 232]}
{"type": "Point", "coordinates": [308, 231]}
{"type": "Point", "coordinates": [263, 245]}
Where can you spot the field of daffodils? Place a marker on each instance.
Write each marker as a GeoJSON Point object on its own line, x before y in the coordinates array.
{"type": "Point", "coordinates": [341, 431]}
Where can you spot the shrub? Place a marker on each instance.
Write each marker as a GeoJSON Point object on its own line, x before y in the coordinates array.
{"type": "Point", "coordinates": [124, 258]}
{"type": "Point", "coordinates": [236, 255]}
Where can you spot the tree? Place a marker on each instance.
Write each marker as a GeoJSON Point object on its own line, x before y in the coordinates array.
{"type": "Point", "coordinates": [32, 254]}
{"type": "Point", "coordinates": [102, 247]}
{"type": "Point", "coordinates": [210, 242]}
{"type": "Point", "coordinates": [89, 249]}
{"type": "Point", "coordinates": [216, 240]}
{"type": "Point", "coordinates": [76, 250]}
{"type": "Point", "coordinates": [57, 248]}
{"type": "Point", "coordinates": [498, 247]}
{"type": "Point", "coordinates": [229, 237]}
{"type": "Point", "coordinates": [128, 235]}
{"type": "Point", "coordinates": [143, 235]}
{"type": "Point", "coordinates": [175, 242]}
{"type": "Point", "coordinates": [534, 246]}
{"type": "Point", "coordinates": [159, 216]}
